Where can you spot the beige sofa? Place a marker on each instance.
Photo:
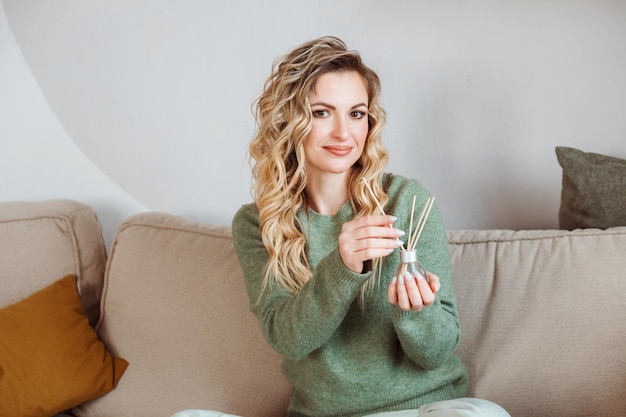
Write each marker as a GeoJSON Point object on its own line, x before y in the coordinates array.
{"type": "Point", "coordinates": [543, 313]}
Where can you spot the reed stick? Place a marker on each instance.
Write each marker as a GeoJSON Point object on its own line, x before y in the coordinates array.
{"type": "Point", "coordinates": [408, 242]}
{"type": "Point", "coordinates": [421, 223]}
{"type": "Point", "coordinates": [369, 187]}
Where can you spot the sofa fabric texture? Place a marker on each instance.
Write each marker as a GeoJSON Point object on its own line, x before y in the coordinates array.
{"type": "Point", "coordinates": [544, 319]}
{"type": "Point", "coordinates": [40, 242]}
{"type": "Point", "coordinates": [175, 307]}
{"type": "Point", "coordinates": [542, 312]}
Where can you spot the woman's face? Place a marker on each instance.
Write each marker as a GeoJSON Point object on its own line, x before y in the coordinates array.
{"type": "Point", "coordinates": [340, 123]}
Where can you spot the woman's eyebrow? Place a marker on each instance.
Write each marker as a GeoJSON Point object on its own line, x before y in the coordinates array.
{"type": "Point", "coordinates": [330, 106]}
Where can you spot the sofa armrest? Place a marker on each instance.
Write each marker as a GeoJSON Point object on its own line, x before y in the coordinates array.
{"type": "Point", "coordinates": [43, 241]}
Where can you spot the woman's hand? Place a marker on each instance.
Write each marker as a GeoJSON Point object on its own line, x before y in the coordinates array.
{"type": "Point", "coordinates": [366, 238]}
{"type": "Point", "coordinates": [413, 293]}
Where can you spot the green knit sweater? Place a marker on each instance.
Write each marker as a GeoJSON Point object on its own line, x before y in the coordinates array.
{"type": "Point", "coordinates": [343, 359]}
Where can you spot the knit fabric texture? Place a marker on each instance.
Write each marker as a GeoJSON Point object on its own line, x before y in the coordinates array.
{"type": "Point", "coordinates": [347, 359]}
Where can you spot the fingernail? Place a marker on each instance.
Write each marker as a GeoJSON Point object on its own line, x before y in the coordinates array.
{"type": "Point", "coordinates": [399, 243]}
{"type": "Point", "coordinates": [437, 286]}
{"type": "Point", "coordinates": [392, 218]}
{"type": "Point", "coordinates": [389, 250]}
{"type": "Point", "coordinates": [394, 280]}
{"type": "Point", "coordinates": [400, 232]}
{"type": "Point", "coordinates": [401, 279]}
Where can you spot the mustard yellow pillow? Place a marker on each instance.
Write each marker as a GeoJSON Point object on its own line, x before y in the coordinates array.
{"type": "Point", "coordinates": [50, 358]}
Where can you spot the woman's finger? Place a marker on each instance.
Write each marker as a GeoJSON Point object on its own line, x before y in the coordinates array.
{"type": "Point", "coordinates": [392, 294]}
{"type": "Point", "coordinates": [426, 293]}
{"type": "Point", "coordinates": [413, 291]}
{"type": "Point", "coordinates": [403, 297]}
{"type": "Point", "coordinates": [433, 280]}
{"type": "Point", "coordinates": [365, 221]}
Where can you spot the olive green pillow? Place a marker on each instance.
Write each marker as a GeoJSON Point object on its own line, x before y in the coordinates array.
{"type": "Point", "coordinates": [593, 193]}
{"type": "Point", "coordinates": [50, 357]}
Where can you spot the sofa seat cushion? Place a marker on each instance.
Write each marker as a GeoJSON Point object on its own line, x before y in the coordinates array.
{"type": "Point", "coordinates": [175, 306]}
{"type": "Point", "coordinates": [544, 319]}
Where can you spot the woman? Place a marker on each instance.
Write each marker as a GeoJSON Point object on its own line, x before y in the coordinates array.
{"type": "Point", "coordinates": [318, 255]}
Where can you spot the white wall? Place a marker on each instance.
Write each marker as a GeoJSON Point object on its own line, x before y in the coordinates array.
{"type": "Point", "coordinates": [146, 105]}
{"type": "Point", "coordinates": [38, 159]}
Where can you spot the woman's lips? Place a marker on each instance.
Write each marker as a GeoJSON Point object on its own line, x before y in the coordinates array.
{"type": "Point", "coordinates": [338, 150]}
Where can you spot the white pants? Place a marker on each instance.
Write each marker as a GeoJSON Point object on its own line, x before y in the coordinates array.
{"type": "Point", "coordinates": [201, 413]}
{"type": "Point", "coordinates": [460, 407]}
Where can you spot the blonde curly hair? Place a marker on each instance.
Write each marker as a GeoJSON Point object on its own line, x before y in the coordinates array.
{"type": "Point", "coordinates": [283, 121]}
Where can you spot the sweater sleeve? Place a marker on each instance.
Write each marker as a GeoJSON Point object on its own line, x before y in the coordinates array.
{"type": "Point", "coordinates": [429, 337]}
{"type": "Point", "coordinates": [294, 324]}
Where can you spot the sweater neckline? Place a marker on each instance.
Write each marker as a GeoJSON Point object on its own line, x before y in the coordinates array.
{"type": "Point", "coordinates": [344, 214]}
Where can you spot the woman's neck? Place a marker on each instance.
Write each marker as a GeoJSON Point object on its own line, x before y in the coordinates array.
{"type": "Point", "coordinates": [328, 194]}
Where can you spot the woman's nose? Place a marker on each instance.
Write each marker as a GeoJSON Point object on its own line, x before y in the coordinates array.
{"type": "Point", "coordinates": [340, 129]}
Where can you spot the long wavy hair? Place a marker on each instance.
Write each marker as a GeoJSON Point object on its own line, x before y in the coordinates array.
{"type": "Point", "coordinates": [283, 120]}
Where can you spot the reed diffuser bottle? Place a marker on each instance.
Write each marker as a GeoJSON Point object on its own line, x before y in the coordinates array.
{"type": "Point", "coordinates": [408, 257]}
{"type": "Point", "coordinates": [410, 264]}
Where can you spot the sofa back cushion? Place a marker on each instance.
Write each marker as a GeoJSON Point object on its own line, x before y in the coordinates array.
{"type": "Point", "coordinates": [175, 307]}
{"type": "Point", "coordinates": [544, 319]}
{"type": "Point", "coordinates": [41, 242]}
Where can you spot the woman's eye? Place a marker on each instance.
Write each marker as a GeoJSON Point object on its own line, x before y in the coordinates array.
{"type": "Point", "coordinates": [320, 113]}
{"type": "Point", "coordinates": [357, 114]}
